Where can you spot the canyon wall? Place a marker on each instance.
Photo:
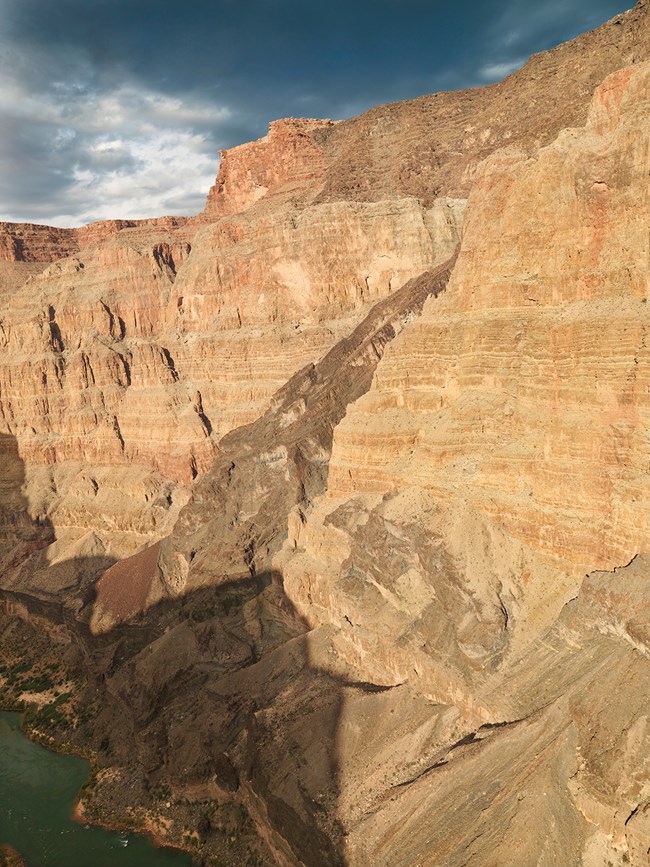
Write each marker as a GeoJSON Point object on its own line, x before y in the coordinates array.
{"type": "Point", "coordinates": [499, 455]}
{"type": "Point", "coordinates": [140, 344]}
{"type": "Point", "coordinates": [382, 408]}
{"type": "Point", "coordinates": [524, 392]}
{"type": "Point", "coordinates": [143, 348]}
{"type": "Point", "coordinates": [448, 691]}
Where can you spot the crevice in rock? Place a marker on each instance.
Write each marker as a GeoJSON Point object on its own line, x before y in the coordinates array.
{"type": "Point", "coordinates": [198, 409]}
{"type": "Point", "coordinates": [56, 340]}
{"type": "Point", "coordinates": [59, 370]}
{"type": "Point", "coordinates": [127, 368]}
{"type": "Point", "coordinates": [249, 558]}
{"type": "Point", "coordinates": [367, 686]}
{"type": "Point", "coordinates": [164, 259]}
{"type": "Point", "coordinates": [89, 375]}
{"type": "Point", "coordinates": [169, 361]}
{"type": "Point", "coordinates": [118, 432]}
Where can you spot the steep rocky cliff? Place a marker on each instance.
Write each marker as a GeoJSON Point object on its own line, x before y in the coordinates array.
{"type": "Point", "coordinates": [149, 341]}
{"type": "Point", "coordinates": [498, 456]}
{"type": "Point", "coordinates": [373, 428]}
{"type": "Point", "coordinates": [146, 346]}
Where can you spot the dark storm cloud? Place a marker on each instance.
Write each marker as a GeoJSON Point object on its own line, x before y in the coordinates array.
{"type": "Point", "coordinates": [118, 107]}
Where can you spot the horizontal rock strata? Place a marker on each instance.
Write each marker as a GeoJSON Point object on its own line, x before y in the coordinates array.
{"type": "Point", "coordinates": [387, 600]}
{"type": "Point", "coordinates": [525, 390]}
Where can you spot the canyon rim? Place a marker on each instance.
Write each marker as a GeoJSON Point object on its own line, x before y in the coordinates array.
{"type": "Point", "coordinates": [325, 513]}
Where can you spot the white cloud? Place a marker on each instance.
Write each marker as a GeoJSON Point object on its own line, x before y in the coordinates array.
{"type": "Point", "coordinates": [166, 172]}
{"type": "Point", "coordinates": [128, 152]}
{"type": "Point", "coordinates": [511, 37]}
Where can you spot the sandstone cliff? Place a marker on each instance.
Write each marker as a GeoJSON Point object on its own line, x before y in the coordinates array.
{"type": "Point", "coordinates": [366, 624]}
{"type": "Point", "coordinates": [141, 344]}
{"type": "Point", "coordinates": [499, 454]}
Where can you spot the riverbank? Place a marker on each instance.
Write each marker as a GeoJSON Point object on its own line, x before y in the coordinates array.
{"type": "Point", "coordinates": [64, 709]}
{"type": "Point", "coordinates": [38, 788]}
{"type": "Point", "coordinates": [41, 688]}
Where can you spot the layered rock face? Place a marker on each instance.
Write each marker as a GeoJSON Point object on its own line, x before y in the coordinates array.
{"type": "Point", "coordinates": [499, 454]}
{"type": "Point", "coordinates": [442, 689]}
{"type": "Point", "coordinates": [25, 250]}
{"type": "Point", "coordinates": [66, 373]}
{"type": "Point", "coordinates": [146, 346]}
{"type": "Point", "coordinates": [368, 625]}
{"type": "Point", "coordinates": [152, 340]}
{"type": "Point", "coordinates": [269, 290]}
{"type": "Point", "coordinates": [431, 146]}
{"type": "Point", "coordinates": [287, 159]}
{"type": "Point", "coordinates": [525, 389]}
{"type": "Point", "coordinates": [238, 515]}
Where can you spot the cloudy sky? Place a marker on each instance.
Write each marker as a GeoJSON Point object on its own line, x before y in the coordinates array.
{"type": "Point", "coordinates": [118, 108]}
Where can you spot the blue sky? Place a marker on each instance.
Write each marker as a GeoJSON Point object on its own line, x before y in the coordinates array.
{"type": "Point", "coordinates": [118, 108]}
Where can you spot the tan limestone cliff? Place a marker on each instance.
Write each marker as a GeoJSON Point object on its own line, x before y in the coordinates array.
{"type": "Point", "coordinates": [143, 349]}
{"type": "Point", "coordinates": [500, 451]}
{"type": "Point", "coordinates": [238, 514]}
{"type": "Point", "coordinates": [525, 390]}
{"type": "Point", "coordinates": [367, 627]}
{"type": "Point", "coordinates": [455, 692]}
{"type": "Point", "coordinates": [140, 344]}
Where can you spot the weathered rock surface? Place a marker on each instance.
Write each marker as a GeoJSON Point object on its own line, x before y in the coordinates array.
{"type": "Point", "coordinates": [288, 159]}
{"type": "Point", "coordinates": [447, 695]}
{"type": "Point", "coordinates": [151, 340]}
{"type": "Point", "coordinates": [9, 857]}
{"type": "Point", "coordinates": [144, 348]}
{"type": "Point", "coordinates": [498, 453]}
{"type": "Point", "coordinates": [564, 779]}
{"type": "Point", "coordinates": [524, 392]}
{"type": "Point", "coordinates": [368, 625]}
{"type": "Point", "coordinates": [431, 146]}
{"type": "Point", "coordinates": [239, 513]}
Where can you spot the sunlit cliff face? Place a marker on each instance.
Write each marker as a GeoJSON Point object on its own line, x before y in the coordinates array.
{"type": "Point", "coordinates": [314, 487]}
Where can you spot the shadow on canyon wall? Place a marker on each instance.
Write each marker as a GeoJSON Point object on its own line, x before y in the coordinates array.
{"type": "Point", "coordinates": [219, 688]}
{"type": "Point", "coordinates": [228, 696]}
{"type": "Point", "coordinates": [216, 688]}
{"type": "Point", "coordinates": [53, 586]}
{"type": "Point", "coordinates": [20, 536]}
{"type": "Point", "coordinates": [227, 686]}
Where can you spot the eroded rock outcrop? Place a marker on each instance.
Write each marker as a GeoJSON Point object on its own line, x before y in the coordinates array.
{"type": "Point", "coordinates": [239, 513]}
{"type": "Point", "coordinates": [145, 347]}
{"type": "Point", "coordinates": [499, 451]}
{"type": "Point", "coordinates": [525, 389]}
{"type": "Point", "coordinates": [189, 326]}
{"type": "Point", "coordinates": [367, 627]}
{"type": "Point", "coordinates": [287, 159]}
{"type": "Point", "coordinates": [447, 692]}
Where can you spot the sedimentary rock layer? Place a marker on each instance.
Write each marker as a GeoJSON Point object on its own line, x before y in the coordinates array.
{"type": "Point", "coordinates": [141, 344]}
{"type": "Point", "coordinates": [239, 512]}
{"type": "Point", "coordinates": [144, 348]}
{"type": "Point", "coordinates": [499, 452]}
{"type": "Point", "coordinates": [525, 391]}
{"type": "Point", "coordinates": [369, 629]}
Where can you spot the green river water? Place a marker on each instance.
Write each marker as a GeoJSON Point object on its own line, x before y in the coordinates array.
{"type": "Point", "coordinates": [38, 789]}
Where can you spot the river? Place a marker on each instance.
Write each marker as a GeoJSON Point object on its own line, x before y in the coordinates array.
{"type": "Point", "coordinates": [38, 789]}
